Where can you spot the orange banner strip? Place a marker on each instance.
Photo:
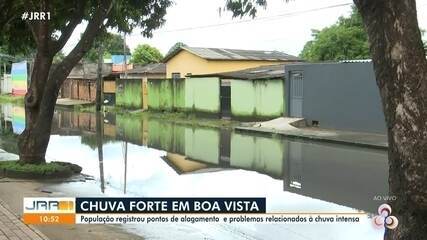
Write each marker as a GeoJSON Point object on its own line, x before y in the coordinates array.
{"type": "Point", "coordinates": [49, 218]}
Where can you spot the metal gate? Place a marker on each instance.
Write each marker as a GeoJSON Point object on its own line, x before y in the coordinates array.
{"type": "Point", "coordinates": [225, 98]}
{"type": "Point", "coordinates": [296, 94]}
{"type": "Point", "coordinates": [6, 84]}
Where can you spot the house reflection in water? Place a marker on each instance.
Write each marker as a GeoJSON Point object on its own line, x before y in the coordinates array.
{"type": "Point", "coordinates": [342, 174]}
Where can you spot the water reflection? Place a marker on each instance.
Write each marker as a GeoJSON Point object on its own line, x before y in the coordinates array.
{"type": "Point", "coordinates": [99, 137]}
{"type": "Point", "coordinates": [345, 175]}
{"type": "Point", "coordinates": [154, 158]}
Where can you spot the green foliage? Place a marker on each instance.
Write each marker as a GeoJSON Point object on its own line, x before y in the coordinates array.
{"type": "Point", "coordinates": [144, 54]}
{"type": "Point", "coordinates": [58, 57]}
{"type": "Point", "coordinates": [347, 39]}
{"type": "Point", "coordinates": [240, 8]}
{"type": "Point", "coordinates": [36, 168]}
{"type": "Point", "coordinates": [424, 40]}
{"type": "Point", "coordinates": [46, 170]}
{"type": "Point", "coordinates": [124, 16]}
{"type": "Point", "coordinates": [175, 47]}
{"type": "Point", "coordinates": [112, 44]}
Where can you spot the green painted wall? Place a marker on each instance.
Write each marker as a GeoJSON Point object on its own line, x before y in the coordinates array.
{"type": "Point", "coordinates": [129, 93]}
{"type": "Point", "coordinates": [179, 94]}
{"type": "Point", "coordinates": [163, 96]}
{"type": "Point", "coordinates": [262, 154]}
{"type": "Point", "coordinates": [202, 144]}
{"type": "Point", "coordinates": [160, 94]}
{"type": "Point", "coordinates": [202, 95]}
{"type": "Point", "coordinates": [257, 98]}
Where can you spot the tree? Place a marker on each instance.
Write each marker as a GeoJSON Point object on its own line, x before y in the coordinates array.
{"type": "Point", "coordinates": [347, 39]}
{"type": "Point", "coordinates": [112, 45]}
{"type": "Point", "coordinates": [50, 36]}
{"type": "Point", "coordinates": [401, 73]}
{"type": "Point", "coordinates": [144, 54]}
{"type": "Point", "coordinates": [58, 57]}
{"type": "Point", "coordinates": [175, 47]}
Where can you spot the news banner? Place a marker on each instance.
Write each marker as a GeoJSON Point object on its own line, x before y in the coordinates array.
{"type": "Point", "coordinates": [166, 210]}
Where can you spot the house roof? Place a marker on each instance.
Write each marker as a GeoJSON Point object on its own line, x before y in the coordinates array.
{"type": "Point", "coordinates": [153, 68]}
{"type": "Point", "coordinates": [233, 54]}
{"type": "Point", "coordinates": [258, 73]}
{"type": "Point", "coordinates": [89, 71]}
{"type": "Point", "coordinates": [356, 61]}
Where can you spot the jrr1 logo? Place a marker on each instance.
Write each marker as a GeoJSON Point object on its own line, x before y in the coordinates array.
{"type": "Point", "coordinates": [49, 205]}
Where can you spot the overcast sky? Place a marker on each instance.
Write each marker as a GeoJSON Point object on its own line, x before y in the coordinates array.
{"type": "Point", "coordinates": [282, 26]}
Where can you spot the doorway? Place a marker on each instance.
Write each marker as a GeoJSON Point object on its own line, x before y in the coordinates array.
{"type": "Point", "coordinates": [296, 94]}
{"type": "Point", "coordinates": [225, 99]}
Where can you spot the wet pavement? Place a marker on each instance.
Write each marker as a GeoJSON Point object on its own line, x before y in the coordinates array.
{"type": "Point", "coordinates": [285, 127]}
{"type": "Point", "coordinates": [149, 157]}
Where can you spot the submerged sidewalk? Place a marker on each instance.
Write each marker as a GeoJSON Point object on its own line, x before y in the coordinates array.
{"type": "Point", "coordinates": [283, 126]}
{"type": "Point", "coordinates": [5, 156]}
{"type": "Point", "coordinates": [68, 102]}
{"type": "Point", "coordinates": [12, 228]}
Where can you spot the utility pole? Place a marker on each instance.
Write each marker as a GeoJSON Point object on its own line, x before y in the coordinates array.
{"type": "Point", "coordinates": [125, 146]}
{"type": "Point", "coordinates": [124, 56]}
{"type": "Point", "coordinates": [99, 79]}
{"type": "Point", "coordinates": [99, 142]}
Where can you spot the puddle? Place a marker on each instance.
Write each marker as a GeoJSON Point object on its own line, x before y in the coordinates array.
{"type": "Point", "coordinates": [148, 157]}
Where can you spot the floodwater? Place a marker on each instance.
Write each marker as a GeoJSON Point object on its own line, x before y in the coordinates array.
{"type": "Point", "coordinates": [149, 157]}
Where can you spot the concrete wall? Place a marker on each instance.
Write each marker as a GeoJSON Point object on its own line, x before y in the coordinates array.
{"type": "Point", "coordinates": [160, 94]}
{"type": "Point", "coordinates": [185, 62]}
{"type": "Point", "coordinates": [341, 96]}
{"type": "Point", "coordinates": [250, 99]}
{"type": "Point", "coordinates": [257, 99]}
{"type": "Point", "coordinates": [179, 95]}
{"type": "Point", "coordinates": [202, 95]}
{"type": "Point", "coordinates": [129, 93]}
{"type": "Point", "coordinates": [166, 94]}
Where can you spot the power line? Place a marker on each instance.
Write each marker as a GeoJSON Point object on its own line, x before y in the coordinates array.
{"type": "Point", "coordinates": [268, 18]}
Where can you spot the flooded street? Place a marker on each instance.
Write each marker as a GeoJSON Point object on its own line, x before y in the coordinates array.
{"type": "Point", "coordinates": [149, 157]}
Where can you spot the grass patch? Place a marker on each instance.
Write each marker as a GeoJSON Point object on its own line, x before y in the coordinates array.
{"type": "Point", "coordinates": [8, 98]}
{"type": "Point", "coordinates": [188, 118]}
{"type": "Point", "coordinates": [92, 109]}
{"type": "Point", "coordinates": [15, 169]}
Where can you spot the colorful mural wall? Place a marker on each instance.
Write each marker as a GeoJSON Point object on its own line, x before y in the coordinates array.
{"type": "Point", "coordinates": [15, 115]}
{"type": "Point", "coordinates": [18, 119]}
{"type": "Point", "coordinates": [19, 78]}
